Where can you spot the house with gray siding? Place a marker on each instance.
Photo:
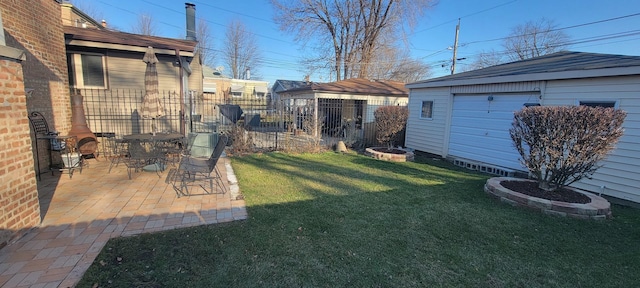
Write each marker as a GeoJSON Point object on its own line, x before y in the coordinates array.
{"type": "Point", "coordinates": [466, 117]}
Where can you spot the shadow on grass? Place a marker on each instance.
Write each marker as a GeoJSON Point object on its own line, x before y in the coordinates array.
{"type": "Point", "coordinates": [390, 225]}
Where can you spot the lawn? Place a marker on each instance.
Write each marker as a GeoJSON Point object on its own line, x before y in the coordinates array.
{"type": "Point", "coordinates": [336, 220]}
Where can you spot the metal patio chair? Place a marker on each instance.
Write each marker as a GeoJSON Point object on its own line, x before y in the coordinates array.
{"type": "Point", "coordinates": [140, 155]}
{"type": "Point", "coordinates": [196, 169]}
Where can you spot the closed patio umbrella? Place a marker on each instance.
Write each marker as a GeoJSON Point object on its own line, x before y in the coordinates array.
{"type": "Point", "coordinates": [151, 105]}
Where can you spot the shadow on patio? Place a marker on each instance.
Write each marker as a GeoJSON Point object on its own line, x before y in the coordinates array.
{"type": "Point", "coordinates": [80, 214]}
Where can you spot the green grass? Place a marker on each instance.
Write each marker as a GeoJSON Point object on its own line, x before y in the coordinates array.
{"type": "Point", "coordinates": [334, 220]}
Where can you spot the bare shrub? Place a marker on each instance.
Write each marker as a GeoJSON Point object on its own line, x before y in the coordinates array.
{"type": "Point", "coordinates": [241, 141]}
{"type": "Point", "coordinates": [390, 122]}
{"type": "Point", "coordinates": [561, 145]}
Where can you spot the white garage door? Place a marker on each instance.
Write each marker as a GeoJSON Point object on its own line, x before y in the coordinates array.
{"type": "Point", "coordinates": [480, 128]}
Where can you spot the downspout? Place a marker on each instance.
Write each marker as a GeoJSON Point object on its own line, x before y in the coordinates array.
{"type": "Point", "coordinates": [182, 122]}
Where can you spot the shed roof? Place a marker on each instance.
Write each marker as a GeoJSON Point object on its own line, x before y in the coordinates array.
{"type": "Point", "coordinates": [560, 65]}
{"type": "Point", "coordinates": [282, 85]}
{"type": "Point", "coordinates": [81, 36]}
{"type": "Point", "coordinates": [357, 86]}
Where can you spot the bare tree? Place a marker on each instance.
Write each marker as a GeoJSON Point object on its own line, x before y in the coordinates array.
{"type": "Point", "coordinates": [350, 29]}
{"type": "Point", "coordinates": [205, 43]}
{"type": "Point", "coordinates": [398, 66]}
{"type": "Point", "coordinates": [240, 51]}
{"type": "Point", "coordinates": [534, 39]}
{"type": "Point", "coordinates": [144, 25]}
{"type": "Point", "coordinates": [486, 59]}
{"type": "Point", "coordinates": [87, 8]}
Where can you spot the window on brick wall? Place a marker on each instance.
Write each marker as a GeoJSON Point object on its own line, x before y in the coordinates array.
{"type": "Point", "coordinates": [87, 70]}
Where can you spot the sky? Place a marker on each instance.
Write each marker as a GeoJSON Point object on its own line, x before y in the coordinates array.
{"type": "Point", "coordinates": [594, 26]}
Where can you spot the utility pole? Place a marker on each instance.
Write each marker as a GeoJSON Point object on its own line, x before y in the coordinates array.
{"type": "Point", "coordinates": [455, 49]}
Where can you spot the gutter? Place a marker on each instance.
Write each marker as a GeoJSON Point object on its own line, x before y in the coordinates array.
{"type": "Point", "coordinates": [182, 122]}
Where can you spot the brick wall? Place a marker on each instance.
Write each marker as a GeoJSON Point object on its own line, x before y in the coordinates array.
{"type": "Point", "coordinates": [35, 28]}
{"type": "Point", "coordinates": [19, 207]}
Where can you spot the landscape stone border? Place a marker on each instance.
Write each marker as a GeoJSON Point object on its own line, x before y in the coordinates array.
{"type": "Point", "coordinates": [408, 156]}
{"type": "Point", "coordinates": [598, 208]}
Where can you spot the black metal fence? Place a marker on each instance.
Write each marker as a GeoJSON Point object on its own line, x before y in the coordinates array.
{"type": "Point", "coordinates": [265, 125]}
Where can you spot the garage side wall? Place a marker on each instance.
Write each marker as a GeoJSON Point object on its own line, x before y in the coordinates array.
{"type": "Point", "coordinates": [428, 134]}
{"type": "Point", "coordinates": [619, 174]}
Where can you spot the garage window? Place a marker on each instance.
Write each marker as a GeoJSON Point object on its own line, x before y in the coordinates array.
{"type": "Point", "coordinates": [605, 104]}
{"type": "Point", "coordinates": [427, 110]}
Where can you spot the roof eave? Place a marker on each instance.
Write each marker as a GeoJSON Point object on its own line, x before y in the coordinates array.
{"type": "Point", "coordinates": [93, 44]}
{"type": "Point", "coordinates": [562, 75]}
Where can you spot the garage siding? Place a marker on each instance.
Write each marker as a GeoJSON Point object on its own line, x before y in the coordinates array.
{"type": "Point", "coordinates": [619, 175]}
{"type": "Point", "coordinates": [428, 135]}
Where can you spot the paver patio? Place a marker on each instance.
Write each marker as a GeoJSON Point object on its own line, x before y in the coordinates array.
{"type": "Point", "coordinates": [80, 214]}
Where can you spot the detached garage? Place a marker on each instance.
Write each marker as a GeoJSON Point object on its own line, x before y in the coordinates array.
{"type": "Point", "coordinates": [466, 117]}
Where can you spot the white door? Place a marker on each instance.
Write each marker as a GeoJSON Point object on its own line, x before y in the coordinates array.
{"type": "Point", "coordinates": [480, 128]}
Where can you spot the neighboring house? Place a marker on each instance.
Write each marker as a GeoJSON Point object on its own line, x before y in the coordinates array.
{"type": "Point", "coordinates": [466, 117]}
{"type": "Point", "coordinates": [72, 16]}
{"type": "Point", "coordinates": [33, 77]}
{"type": "Point", "coordinates": [341, 103]}
{"type": "Point", "coordinates": [107, 62]}
{"type": "Point", "coordinates": [105, 59]}
{"type": "Point", "coordinates": [251, 95]}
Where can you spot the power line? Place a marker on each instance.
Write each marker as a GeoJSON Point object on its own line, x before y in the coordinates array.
{"type": "Point", "coordinates": [468, 15]}
{"type": "Point", "coordinates": [556, 29]}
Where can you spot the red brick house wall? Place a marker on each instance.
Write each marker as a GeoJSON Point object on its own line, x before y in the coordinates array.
{"type": "Point", "coordinates": [34, 27]}
{"type": "Point", "coordinates": [19, 207]}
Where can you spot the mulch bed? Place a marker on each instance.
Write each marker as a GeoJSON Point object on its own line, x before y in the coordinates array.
{"type": "Point", "coordinates": [531, 189]}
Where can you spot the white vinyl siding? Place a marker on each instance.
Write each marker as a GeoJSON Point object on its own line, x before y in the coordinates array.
{"type": "Point", "coordinates": [618, 175]}
{"type": "Point", "coordinates": [480, 128]}
{"type": "Point", "coordinates": [428, 135]}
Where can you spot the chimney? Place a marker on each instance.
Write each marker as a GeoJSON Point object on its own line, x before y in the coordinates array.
{"type": "Point", "coordinates": [191, 21]}
{"type": "Point", "coordinates": [104, 23]}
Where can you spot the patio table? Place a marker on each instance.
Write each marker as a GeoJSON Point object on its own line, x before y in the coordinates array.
{"type": "Point", "coordinates": [159, 147]}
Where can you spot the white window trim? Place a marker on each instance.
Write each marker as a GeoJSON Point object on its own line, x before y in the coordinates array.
{"type": "Point", "coordinates": [77, 70]}
{"type": "Point", "coordinates": [235, 95]}
{"type": "Point", "coordinates": [421, 105]}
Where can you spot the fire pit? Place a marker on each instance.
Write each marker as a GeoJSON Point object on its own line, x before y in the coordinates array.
{"type": "Point", "coordinates": [87, 141]}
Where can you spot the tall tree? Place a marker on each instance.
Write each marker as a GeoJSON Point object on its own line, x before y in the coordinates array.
{"type": "Point", "coordinates": [240, 51]}
{"type": "Point", "coordinates": [533, 39]}
{"type": "Point", "coordinates": [144, 25]}
{"type": "Point", "coordinates": [528, 40]}
{"type": "Point", "coordinates": [350, 29]}
{"type": "Point", "coordinates": [205, 43]}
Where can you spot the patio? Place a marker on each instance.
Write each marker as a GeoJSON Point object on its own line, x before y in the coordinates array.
{"type": "Point", "coordinates": [79, 215]}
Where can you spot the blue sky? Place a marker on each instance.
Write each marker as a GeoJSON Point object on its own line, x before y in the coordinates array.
{"type": "Point", "coordinates": [481, 22]}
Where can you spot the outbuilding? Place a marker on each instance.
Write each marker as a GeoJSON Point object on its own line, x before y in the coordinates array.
{"type": "Point", "coordinates": [466, 117]}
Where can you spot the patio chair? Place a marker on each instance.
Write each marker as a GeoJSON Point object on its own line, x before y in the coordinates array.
{"type": "Point", "coordinates": [194, 169]}
{"type": "Point", "coordinates": [140, 155]}
{"type": "Point", "coordinates": [117, 152]}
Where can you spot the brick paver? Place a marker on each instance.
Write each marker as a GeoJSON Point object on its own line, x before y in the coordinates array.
{"type": "Point", "coordinates": [81, 214]}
